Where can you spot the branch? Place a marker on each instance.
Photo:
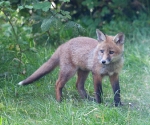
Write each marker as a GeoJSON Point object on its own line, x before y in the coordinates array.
{"type": "Point", "coordinates": [13, 29]}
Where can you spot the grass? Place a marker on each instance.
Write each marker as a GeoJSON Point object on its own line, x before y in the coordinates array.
{"type": "Point", "coordinates": [36, 104]}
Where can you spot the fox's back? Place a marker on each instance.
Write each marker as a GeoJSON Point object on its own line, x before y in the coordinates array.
{"type": "Point", "coordinates": [78, 51]}
{"type": "Point", "coordinates": [80, 44]}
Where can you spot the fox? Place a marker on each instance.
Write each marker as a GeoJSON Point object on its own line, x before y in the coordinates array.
{"type": "Point", "coordinates": [102, 57]}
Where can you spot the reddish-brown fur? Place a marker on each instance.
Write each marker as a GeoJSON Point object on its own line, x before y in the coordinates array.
{"type": "Point", "coordinates": [83, 54]}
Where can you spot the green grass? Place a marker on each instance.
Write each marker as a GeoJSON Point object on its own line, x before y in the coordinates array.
{"type": "Point", "coordinates": [36, 104]}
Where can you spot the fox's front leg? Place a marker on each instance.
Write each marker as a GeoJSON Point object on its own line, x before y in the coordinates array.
{"type": "Point", "coordinates": [98, 87]}
{"type": "Point", "coordinates": [114, 79]}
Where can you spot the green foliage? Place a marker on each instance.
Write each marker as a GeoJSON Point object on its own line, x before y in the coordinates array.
{"type": "Point", "coordinates": [29, 24]}
{"type": "Point", "coordinates": [91, 4]}
{"type": "Point", "coordinates": [140, 26]}
{"type": "Point", "coordinates": [14, 39]}
{"type": "Point", "coordinates": [44, 6]}
{"type": "Point", "coordinates": [65, 0]}
{"type": "Point", "coordinates": [47, 23]}
{"type": "Point", "coordinates": [100, 12]}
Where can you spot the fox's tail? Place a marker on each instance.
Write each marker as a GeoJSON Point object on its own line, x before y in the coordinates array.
{"type": "Point", "coordinates": [43, 70]}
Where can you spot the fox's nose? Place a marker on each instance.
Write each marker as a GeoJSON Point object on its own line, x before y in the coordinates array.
{"type": "Point", "coordinates": [103, 61]}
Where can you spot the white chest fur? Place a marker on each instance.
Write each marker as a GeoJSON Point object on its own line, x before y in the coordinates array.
{"type": "Point", "coordinates": [111, 68]}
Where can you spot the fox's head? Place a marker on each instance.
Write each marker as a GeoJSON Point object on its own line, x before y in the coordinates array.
{"type": "Point", "coordinates": [110, 48]}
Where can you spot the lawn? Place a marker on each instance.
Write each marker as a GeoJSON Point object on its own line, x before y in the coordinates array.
{"type": "Point", "coordinates": [36, 104]}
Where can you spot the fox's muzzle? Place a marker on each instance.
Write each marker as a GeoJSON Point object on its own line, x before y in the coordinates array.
{"type": "Point", "coordinates": [107, 61]}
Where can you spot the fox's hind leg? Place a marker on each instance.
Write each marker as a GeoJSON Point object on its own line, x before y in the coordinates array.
{"type": "Point", "coordinates": [65, 74]}
{"type": "Point", "coordinates": [82, 75]}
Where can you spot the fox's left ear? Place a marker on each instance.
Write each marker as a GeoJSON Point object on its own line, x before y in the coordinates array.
{"type": "Point", "coordinates": [119, 38]}
{"type": "Point", "coordinates": [100, 36]}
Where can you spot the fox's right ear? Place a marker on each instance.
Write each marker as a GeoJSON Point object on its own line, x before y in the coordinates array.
{"type": "Point", "coordinates": [119, 38]}
{"type": "Point", "coordinates": [100, 36]}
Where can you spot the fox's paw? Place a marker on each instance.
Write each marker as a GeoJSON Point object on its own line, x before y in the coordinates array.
{"type": "Point", "coordinates": [20, 83]}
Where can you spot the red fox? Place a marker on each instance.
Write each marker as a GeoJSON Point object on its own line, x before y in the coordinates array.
{"type": "Point", "coordinates": [103, 57]}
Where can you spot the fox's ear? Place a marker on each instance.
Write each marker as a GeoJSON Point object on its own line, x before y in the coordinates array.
{"type": "Point", "coordinates": [100, 36]}
{"type": "Point", "coordinates": [119, 38]}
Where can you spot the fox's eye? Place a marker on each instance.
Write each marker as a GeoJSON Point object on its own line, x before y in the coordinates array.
{"type": "Point", "coordinates": [111, 52]}
{"type": "Point", "coordinates": [102, 51]}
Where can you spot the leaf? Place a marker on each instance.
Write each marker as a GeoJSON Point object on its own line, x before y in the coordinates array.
{"type": "Point", "coordinates": [65, 15]}
{"type": "Point", "coordinates": [28, 6]}
{"type": "Point", "coordinates": [20, 7]}
{"type": "Point", "coordinates": [36, 27]}
{"type": "Point", "coordinates": [46, 24]}
{"type": "Point", "coordinates": [5, 4]}
{"type": "Point", "coordinates": [2, 3]}
{"type": "Point", "coordinates": [37, 6]}
{"type": "Point", "coordinates": [42, 5]}
{"type": "Point", "coordinates": [65, 0]}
